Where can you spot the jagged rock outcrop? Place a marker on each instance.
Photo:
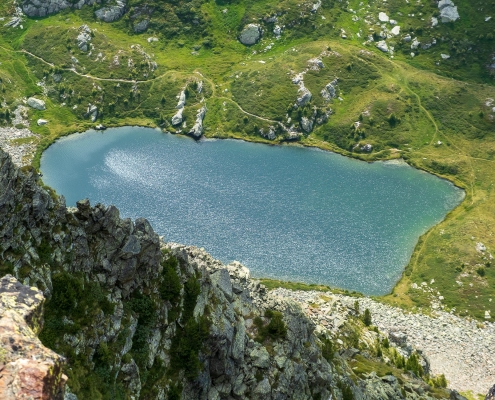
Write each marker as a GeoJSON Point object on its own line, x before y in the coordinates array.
{"type": "Point", "coordinates": [42, 8]}
{"type": "Point", "coordinates": [111, 13]}
{"type": "Point", "coordinates": [84, 38]}
{"type": "Point", "coordinates": [197, 129]}
{"type": "Point", "coordinates": [28, 369]}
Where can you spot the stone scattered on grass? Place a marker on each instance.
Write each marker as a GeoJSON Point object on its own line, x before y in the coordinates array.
{"type": "Point", "coordinates": [448, 11]}
{"type": "Point", "coordinates": [250, 34]}
{"type": "Point", "coordinates": [37, 104]}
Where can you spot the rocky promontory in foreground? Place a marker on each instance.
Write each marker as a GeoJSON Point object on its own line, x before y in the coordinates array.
{"type": "Point", "coordinates": [123, 315]}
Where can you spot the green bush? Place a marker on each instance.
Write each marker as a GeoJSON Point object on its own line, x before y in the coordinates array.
{"type": "Point", "coordinates": [412, 364]}
{"type": "Point", "coordinates": [367, 317]}
{"type": "Point", "coordinates": [481, 271]}
{"type": "Point", "coordinates": [190, 335]}
{"type": "Point", "coordinates": [439, 381]}
{"type": "Point", "coordinates": [327, 350]}
{"type": "Point", "coordinates": [274, 330]}
{"type": "Point", "coordinates": [170, 285]}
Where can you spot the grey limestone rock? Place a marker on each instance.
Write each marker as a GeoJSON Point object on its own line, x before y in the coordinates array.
{"type": "Point", "coordinates": [42, 8]}
{"type": "Point", "coordinates": [141, 26]}
{"type": "Point", "coordinates": [448, 11]}
{"type": "Point", "coordinates": [92, 112]}
{"type": "Point", "coordinates": [182, 100]}
{"type": "Point", "coordinates": [177, 118]}
{"type": "Point", "coordinates": [304, 96]}
{"type": "Point", "coordinates": [37, 104]}
{"type": "Point", "coordinates": [84, 38]}
{"type": "Point", "coordinates": [260, 357]}
{"type": "Point", "coordinates": [111, 13]}
{"type": "Point", "coordinates": [221, 278]}
{"type": "Point", "coordinates": [197, 129]}
{"type": "Point", "coordinates": [263, 388]}
{"type": "Point", "coordinates": [306, 124]}
{"type": "Point", "coordinates": [330, 90]}
{"type": "Point", "coordinates": [382, 45]}
{"type": "Point", "coordinates": [250, 34]}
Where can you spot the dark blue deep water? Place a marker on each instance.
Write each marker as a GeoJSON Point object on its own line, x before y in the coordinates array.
{"type": "Point", "coordinates": [285, 212]}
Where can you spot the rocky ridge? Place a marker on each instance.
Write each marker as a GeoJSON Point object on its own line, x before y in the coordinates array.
{"type": "Point", "coordinates": [153, 320]}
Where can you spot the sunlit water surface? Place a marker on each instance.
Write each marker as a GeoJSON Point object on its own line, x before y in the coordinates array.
{"type": "Point", "coordinates": [285, 212]}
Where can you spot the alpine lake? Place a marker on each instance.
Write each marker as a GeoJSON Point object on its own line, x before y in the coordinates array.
{"type": "Point", "coordinates": [286, 212]}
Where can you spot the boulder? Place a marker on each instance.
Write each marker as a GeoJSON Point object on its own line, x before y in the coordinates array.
{"type": "Point", "coordinates": [41, 122]}
{"type": "Point", "coordinates": [250, 34]}
{"type": "Point", "coordinates": [37, 104]}
{"type": "Point", "coordinates": [382, 45]}
{"type": "Point", "coordinates": [111, 13]}
{"type": "Point", "coordinates": [448, 11]}
{"type": "Point", "coordinates": [141, 26]}
{"type": "Point", "coordinates": [399, 338]}
{"type": "Point", "coordinates": [383, 17]}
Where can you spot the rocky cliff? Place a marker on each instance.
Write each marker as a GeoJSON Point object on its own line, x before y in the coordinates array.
{"type": "Point", "coordinates": [134, 317]}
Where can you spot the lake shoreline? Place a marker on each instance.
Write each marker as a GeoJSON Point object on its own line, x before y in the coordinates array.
{"type": "Point", "coordinates": [301, 145]}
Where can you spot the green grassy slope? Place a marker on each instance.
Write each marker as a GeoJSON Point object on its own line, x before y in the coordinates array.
{"type": "Point", "coordinates": [402, 105]}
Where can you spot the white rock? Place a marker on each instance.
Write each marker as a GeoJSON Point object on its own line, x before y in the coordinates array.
{"type": "Point", "coordinates": [383, 17]}
{"type": "Point", "coordinates": [41, 122]}
{"type": "Point", "coordinates": [434, 21]}
{"type": "Point", "coordinates": [415, 43]}
{"type": "Point", "coordinates": [448, 11]}
{"type": "Point", "coordinates": [177, 118]}
{"type": "Point", "coordinates": [395, 30]}
{"type": "Point", "coordinates": [182, 100]}
{"type": "Point", "coordinates": [382, 45]}
{"type": "Point", "coordinates": [480, 247]}
{"type": "Point", "coordinates": [445, 56]}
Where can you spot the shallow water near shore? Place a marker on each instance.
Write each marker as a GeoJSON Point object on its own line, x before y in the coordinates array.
{"type": "Point", "coordinates": [286, 212]}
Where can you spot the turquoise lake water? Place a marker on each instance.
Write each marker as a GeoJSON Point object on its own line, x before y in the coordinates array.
{"type": "Point", "coordinates": [286, 212]}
